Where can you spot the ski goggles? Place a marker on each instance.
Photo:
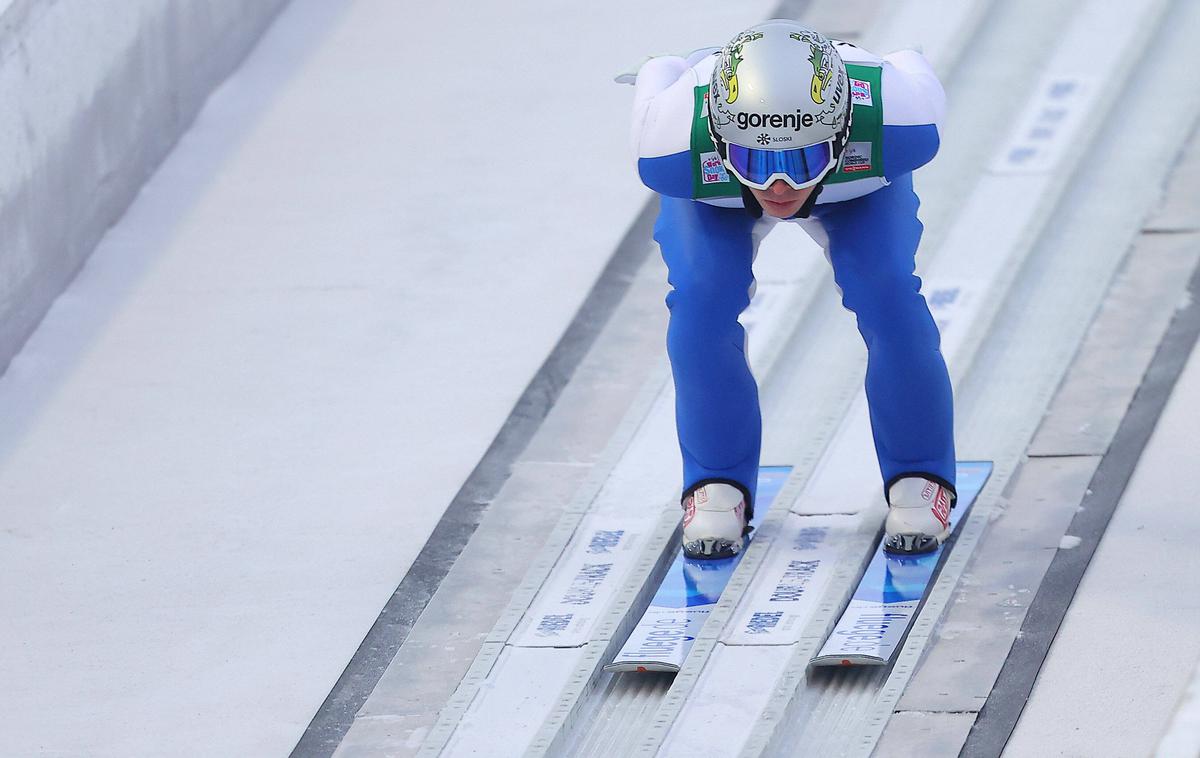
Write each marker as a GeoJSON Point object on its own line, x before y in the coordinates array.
{"type": "Point", "coordinates": [800, 167]}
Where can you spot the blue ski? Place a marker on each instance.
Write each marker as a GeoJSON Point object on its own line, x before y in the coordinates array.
{"type": "Point", "coordinates": [892, 589]}
{"type": "Point", "coordinates": [688, 593]}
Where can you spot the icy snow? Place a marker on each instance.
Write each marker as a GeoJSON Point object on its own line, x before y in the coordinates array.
{"type": "Point", "coordinates": [1123, 658]}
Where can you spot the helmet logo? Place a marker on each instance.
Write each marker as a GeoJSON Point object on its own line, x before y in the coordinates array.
{"type": "Point", "coordinates": [819, 58]}
{"type": "Point", "coordinates": [797, 121]}
{"type": "Point", "coordinates": [796, 93]}
{"type": "Point", "coordinates": [731, 56]}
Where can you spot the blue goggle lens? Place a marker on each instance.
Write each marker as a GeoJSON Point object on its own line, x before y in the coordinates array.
{"type": "Point", "coordinates": [801, 167]}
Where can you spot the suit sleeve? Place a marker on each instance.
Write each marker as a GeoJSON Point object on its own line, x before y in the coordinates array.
{"type": "Point", "coordinates": [913, 113]}
{"type": "Point", "coordinates": [662, 121]}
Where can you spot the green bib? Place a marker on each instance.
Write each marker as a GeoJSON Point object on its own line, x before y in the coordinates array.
{"type": "Point", "coordinates": [710, 178]}
{"type": "Point", "coordinates": [863, 156]}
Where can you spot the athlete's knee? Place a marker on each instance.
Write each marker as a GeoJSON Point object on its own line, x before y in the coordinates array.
{"type": "Point", "coordinates": [709, 298]}
{"type": "Point", "coordinates": [703, 328]}
{"type": "Point", "coordinates": [708, 283]}
{"type": "Point", "coordinates": [894, 309]}
{"type": "Point", "coordinates": [872, 288]}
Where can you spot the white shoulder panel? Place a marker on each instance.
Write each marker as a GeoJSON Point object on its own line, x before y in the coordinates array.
{"type": "Point", "coordinates": [912, 94]}
{"type": "Point", "coordinates": [663, 105]}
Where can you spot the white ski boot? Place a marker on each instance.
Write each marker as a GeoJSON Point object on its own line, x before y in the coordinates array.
{"type": "Point", "coordinates": [714, 521]}
{"type": "Point", "coordinates": [918, 518]}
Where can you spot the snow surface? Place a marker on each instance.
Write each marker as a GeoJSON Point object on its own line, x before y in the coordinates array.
{"type": "Point", "coordinates": [230, 437]}
{"type": "Point", "coordinates": [1182, 738]}
{"type": "Point", "coordinates": [1069, 542]}
{"type": "Point", "coordinates": [1123, 658]}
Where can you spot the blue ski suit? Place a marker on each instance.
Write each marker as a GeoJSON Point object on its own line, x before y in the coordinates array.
{"type": "Point", "coordinates": [865, 218]}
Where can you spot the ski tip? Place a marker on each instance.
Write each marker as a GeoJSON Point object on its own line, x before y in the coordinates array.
{"type": "Point", "coordinates": [842, 660]}
{"type": "Point", "coordinates": [641, 667]}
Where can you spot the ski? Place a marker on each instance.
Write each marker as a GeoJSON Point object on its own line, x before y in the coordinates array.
{"type": "Point", "coordinates": [689, 591]}
{"type": "Point", "coordinates": [893, 588]}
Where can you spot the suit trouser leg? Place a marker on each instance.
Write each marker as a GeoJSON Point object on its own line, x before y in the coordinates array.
{"type": "Point", "coordinates": [709, 253]}
{"type": "Point", "coordinates": [872, 244]}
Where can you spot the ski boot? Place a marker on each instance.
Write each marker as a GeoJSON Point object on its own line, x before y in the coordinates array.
{"type": "Point", "coordinates": [918, 517]}
{"type": "Point", "coordinates": [714, 521]}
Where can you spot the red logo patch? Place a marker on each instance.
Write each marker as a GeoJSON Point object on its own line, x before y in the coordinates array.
{"type": "Point", "coordinates": [941, 507]}
{"type": "Point", "coordinates": [689, 510]}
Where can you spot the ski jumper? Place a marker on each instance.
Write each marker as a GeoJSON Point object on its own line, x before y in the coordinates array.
{"type": "Point", "coordinates": [866, 219]}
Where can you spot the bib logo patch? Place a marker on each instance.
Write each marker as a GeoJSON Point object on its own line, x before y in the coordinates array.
{"type": "Point", "coordinates": [857, 157]}
{"type": "Point", "coordinates": [860, 92]}
{"type": "Point", "coordinates": [712, 170]}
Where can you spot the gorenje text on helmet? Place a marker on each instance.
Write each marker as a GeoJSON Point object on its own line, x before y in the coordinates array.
{"type": "Point", "coordinates": [798, 120]}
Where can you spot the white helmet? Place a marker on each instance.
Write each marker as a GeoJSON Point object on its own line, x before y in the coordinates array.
{"type": "Point", "coordinates": [780, 87]}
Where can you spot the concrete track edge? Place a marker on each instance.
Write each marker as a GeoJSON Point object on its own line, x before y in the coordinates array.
{"type": "Point", "coordinates": [452, 532]}
{"type": "Point", "coordinates": [90, 127]}
{"type": "Point", "coordinates": [999, 715]}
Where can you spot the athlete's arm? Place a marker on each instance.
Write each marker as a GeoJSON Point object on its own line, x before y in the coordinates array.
{"type": "Point", "coordinates": [913, 113]}
{"type": "Point", "coordinates": [662, 120]}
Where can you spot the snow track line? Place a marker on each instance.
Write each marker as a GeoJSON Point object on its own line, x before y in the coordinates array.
{"type": "Point", "coordinates": [366, 667]}
{"type": "Point", "coordinates": [1032, 348]}
{"type": "Point", "coordinates": [1076, 310]}
{"type": "Point", "coordinates": [496, 675]}
{"type": "Point", "coordinates": [999, 715]}
{"type": "Point", "coordinates": [1089, 256]}
{"type": "Point", "coordinates": [641, 450]}
{"type": "Point", "coordinates": [452, 715]}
